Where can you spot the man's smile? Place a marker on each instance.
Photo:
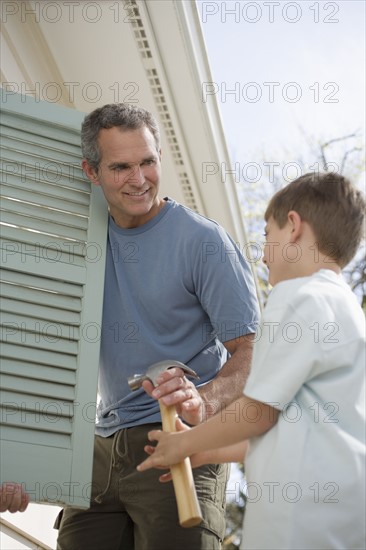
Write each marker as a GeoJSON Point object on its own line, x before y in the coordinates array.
{"type": "Point", "coordinates": [136, 194]}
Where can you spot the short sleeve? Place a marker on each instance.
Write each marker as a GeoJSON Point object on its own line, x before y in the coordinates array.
{"type": "Point", "coordinates": [225, 286]}
{"type": "Point", "coordinates": [285, 352]}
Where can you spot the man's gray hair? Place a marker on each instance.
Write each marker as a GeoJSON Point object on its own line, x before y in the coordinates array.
{"type": "Point", "coordinates": [122, 115]}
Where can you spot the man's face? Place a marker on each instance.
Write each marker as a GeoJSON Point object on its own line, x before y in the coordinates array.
{"type": "Point", "coordinates": [129, 175]}
{"type": "Point", "coordinates": [278, 253]}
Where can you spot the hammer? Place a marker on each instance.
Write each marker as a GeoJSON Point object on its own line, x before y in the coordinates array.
{"type": "Point", "coordinates": [189, 511]}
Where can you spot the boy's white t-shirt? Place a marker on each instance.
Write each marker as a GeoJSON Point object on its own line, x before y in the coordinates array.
{"type": "Point", "coordinates": [306, 476]}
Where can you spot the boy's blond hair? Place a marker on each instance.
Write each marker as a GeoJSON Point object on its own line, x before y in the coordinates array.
{"type": "Point", "coordinates": [333, 208]}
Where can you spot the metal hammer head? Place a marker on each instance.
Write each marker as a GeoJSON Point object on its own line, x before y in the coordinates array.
{"type": "Point", "coordinates": [154, 370]}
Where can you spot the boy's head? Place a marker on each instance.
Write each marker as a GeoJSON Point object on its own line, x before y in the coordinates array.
{"type": "Point", "coordinates": [333, 208]}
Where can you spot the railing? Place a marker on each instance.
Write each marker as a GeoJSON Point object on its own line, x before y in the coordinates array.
{"type": "Point", "coordinates": [21, 536]}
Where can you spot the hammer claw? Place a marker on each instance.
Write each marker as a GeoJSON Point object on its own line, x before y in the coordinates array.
{"type": "Point", "coordinates": [155, 370]}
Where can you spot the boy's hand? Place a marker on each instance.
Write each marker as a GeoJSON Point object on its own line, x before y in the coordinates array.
{"type": "Point", "coordinates": [150, 450]}
{"type": "Point", "coordinates": [13, 498]}
{"type": "Point", "coordinates": [158, 451]}
{"type": "Point", "coordinates": [196, 460]}
{"type": "Point", "coordinates": [166, 453]}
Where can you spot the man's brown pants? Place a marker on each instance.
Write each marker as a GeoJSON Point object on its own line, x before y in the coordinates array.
{"type": "Point", "coordinates": [131, 510]}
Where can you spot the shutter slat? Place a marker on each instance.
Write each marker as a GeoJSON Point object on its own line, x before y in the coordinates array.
{"type": "Point", "coordinates": [39, 420]}
{"type": "Point", "coordinates": [13, 334]}
{"type": "Point", "coordinates": [36, 165]}
{"type": "Point", "coordinates": [19, 399]}
{"type": "Point", "coordinates": [43, 214]}
{"type": "Point", "coordinates": [53, 286]}
{"type": "Point", "coordinates": [44, 226]}
{"type": "Point", "coordinates": [43, 151]}
{"type": "Point", "coordinates": [47, 188]}
{"type": "Point", "coordinates": [10, 167]}
{"type": "Point", "coordinates": [16, 134]}
{"type": "Point", "coordinates": [33, 126]}
{"type": "Point", "coordinates": [39, 357]}
{"type": "Point", "coordinates": [25, 150]}
{"type": "Point", "coordinates": [37, 387]}
{"type": "Point", "coordinates": [46, 313]}
{"type": "Point", "coordinates": [49, 330]}
{"type": "Point", "coordinates": [33, 435]}
{"type": "Point", "coordinates": [45, 247]}
{"type": "Point", "coordinates": [36, 296]}
{"type": "Point", "coordinates": [12, 258]}
{"type": "Point", "coordinates": [16, 367]}
{"type": "Point", "coordinates": [19, 193]}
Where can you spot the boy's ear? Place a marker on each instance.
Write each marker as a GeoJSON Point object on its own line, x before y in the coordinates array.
{"type": "Point", "coordinates": [296, 226]}
{"type": "Point", "coordinates": [90, 172]}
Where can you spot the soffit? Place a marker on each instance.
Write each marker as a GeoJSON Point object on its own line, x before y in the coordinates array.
{"type": "Point", "coordinates": [151, 53]}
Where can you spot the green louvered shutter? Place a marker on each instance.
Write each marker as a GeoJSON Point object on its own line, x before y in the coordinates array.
{"type": "Point", "coordinates": [53, 237]}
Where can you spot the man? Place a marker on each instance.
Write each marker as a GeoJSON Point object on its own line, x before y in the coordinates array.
{"type": "Point", "coordinates": [177, 288]}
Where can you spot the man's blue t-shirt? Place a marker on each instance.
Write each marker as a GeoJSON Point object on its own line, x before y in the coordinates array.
{"type": "Point", "coordinates": [175, 288]}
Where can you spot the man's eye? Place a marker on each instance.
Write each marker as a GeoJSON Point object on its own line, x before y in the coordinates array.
{"type": "Point", "coordinates": [149, 162]}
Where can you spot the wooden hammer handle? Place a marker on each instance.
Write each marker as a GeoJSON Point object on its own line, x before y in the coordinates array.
{"type": "Point", "coordinates": [189, 510]}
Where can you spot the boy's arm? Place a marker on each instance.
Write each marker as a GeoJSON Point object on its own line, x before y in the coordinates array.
{"type": "Point", "coordinates": [243, 419]}
{"type": "Point", "coordinates": [231, 453]}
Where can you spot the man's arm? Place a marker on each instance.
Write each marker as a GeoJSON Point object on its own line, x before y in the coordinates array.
{"type": "Point", "coordinates": [195, 405]}
{"type": "Point", "coordinates": [229, 383]}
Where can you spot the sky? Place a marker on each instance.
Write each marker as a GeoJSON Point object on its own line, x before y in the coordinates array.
{"type": "Point", "coordinates": [286, 75]}
{"type": "Point", "coordinates": [283, 71]}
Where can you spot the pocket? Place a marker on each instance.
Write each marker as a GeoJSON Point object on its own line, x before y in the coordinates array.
{"type": "Point", "coordinates": [211, 482]}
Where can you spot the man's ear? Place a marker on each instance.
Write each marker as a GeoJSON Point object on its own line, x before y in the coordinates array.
{"type": "Point", "coordinates": [296, 225]}
{"type": "Point", "coordinates": [90, 172]}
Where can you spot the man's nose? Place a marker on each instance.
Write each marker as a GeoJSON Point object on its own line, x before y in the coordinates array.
{"type": "Point", "coordinates": [137, 176]}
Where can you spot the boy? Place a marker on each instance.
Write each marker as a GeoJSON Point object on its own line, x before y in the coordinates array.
{"type": "Point", "coordinates": [303, 404]}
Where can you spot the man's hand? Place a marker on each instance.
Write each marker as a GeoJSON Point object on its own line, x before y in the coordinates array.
{"type": "Point", "coordinates": [175, 389]}
{"type": "Point", "coordinates": [13, 498]}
